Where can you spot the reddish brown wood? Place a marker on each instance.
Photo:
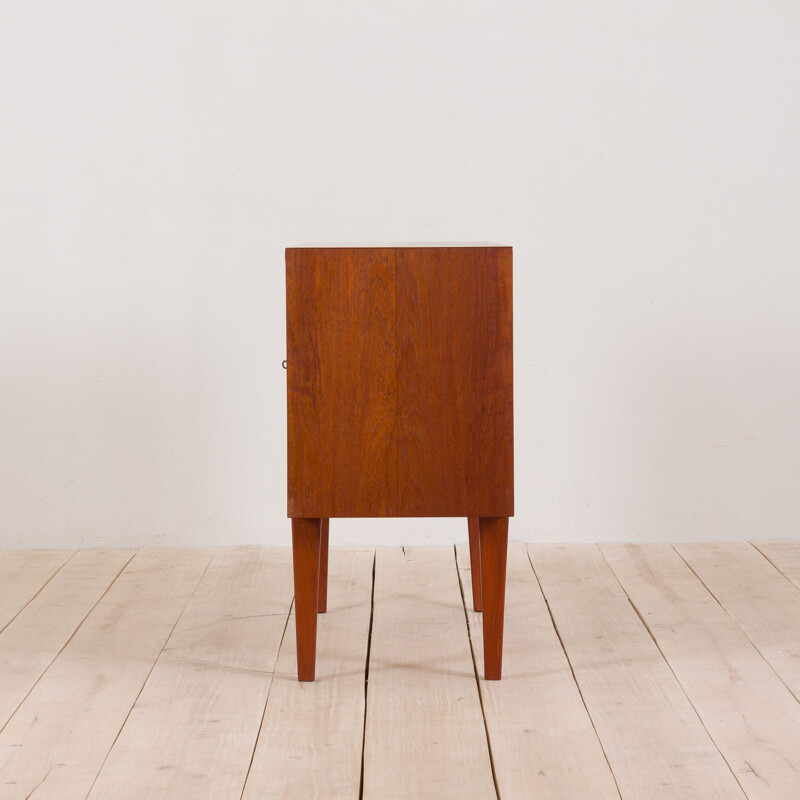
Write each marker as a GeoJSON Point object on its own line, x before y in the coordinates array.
{"type": "Point", "coordinates": [306, 537]}
{"type": "Point", "coordinates": [400, 403]}
{"type": "Point", "coordinates": [454, 382]}
{"type": "Point", "coordinates": [494, 551]}
{"type": "Point", "coordinates": [341, 375]}
{"type": "Point", "coordinates": [322, 599]}
{"type": "Point", "coordinates": [475, 562]}
{"type": "Point", "coordinates": [399, 372]}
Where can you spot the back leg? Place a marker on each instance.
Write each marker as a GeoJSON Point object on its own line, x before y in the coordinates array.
{"type": "Point", "coordinates": [322, 602]}
{"type": "Point", "coordinates": [475, 562]}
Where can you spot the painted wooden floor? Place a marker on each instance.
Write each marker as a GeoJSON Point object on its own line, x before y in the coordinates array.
{"type": "Point", "coordinates": [634, 672]}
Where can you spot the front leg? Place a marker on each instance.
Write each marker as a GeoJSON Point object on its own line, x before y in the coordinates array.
{"type": "Point", "coordinates": [306, 541]}
{"type": "Point", "coordinates": [494, 552]}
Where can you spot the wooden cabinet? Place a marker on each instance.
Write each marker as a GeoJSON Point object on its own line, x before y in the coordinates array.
{"type": "Point", "coordinates": [400, 404]}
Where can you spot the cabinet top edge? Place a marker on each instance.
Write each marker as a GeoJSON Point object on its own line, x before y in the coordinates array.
{"type": "Point", "coordinates": [397, 246]}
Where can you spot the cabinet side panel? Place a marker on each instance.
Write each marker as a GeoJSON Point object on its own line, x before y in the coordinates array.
{"type": "Point", "coordinates": [455, 384]}
{"type": "Point", "coordinates": [342, 391]}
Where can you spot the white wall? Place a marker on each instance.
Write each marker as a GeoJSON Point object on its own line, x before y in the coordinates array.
{"type": "Point", "coordinates": [156, 157]}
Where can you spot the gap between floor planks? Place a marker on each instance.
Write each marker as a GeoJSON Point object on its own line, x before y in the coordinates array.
{"type": "Point", "coordinates": [753, 623]}
{"type": "Point", "coordinates": [746, 709]}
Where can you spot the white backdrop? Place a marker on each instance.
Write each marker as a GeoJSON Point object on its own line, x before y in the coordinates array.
{"type": "Point", "coordinates": [156, 157]}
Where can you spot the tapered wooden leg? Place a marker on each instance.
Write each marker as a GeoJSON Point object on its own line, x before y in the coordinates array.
{"type": "Point", "coordinates": [494, 551]}
{"type": "Point", "coordinates": [306, 536]}
{"type": "Point", "coordinates": [475, 561]}
{"type": "Point", "coordinates": [322, 602]}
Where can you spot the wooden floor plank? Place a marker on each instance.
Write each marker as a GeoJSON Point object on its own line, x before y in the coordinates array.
{"type": "Point", "coordinates": [764, 603]}
{"type": "Point", "coordinates": [543, 743]}
{"type": "Point", "coordinates": [54, 745]}
{"type": "Point", "coordinates": [311, 738]}
{"type": "Point", "coordinates": [193, 729]}
{"type": "Point", "coordinates": [785, 556]}
{"type": "Point", "coordinates": [22, 575]}
{"type": "Point", "coordinates": [425, 734]}
{"type": "Point", "coordinates": [748, 711]}
{"type": "Point", "coordinates": [36, 635]}
{"type": "Point", "coordinates": [656, 745]}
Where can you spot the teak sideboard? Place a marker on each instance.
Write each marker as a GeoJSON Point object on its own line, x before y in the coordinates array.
{"type": "Point", "coordinates": [400, 404]}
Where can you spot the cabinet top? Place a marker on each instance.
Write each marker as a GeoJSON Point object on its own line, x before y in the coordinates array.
{"type": "Point", "coordinates": [391, 245]}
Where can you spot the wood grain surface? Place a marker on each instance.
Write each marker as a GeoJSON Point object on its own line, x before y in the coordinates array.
{"type": "Point", "coordinates": [38, 633]}
{"type": "Point", "coordinates": [306, 542]}
{"type": "Point", "coordinates": [454, 382]}
{"type": "Point", "coordinates": [312, 736]}
{"type": "Point", "coordinates": [494, 551]}
{"type": "Point", "coordinates": [762, 601]}
{"type": "Point", "coordinates": [22, 574]}
{"type": "Point", "coordinates": [322, 591]}
{"type": "Point", "coordinates": [194, 726]}
{"type": "Point", "coordinates": [425, 734]}
{"type": "Point", "coordinates": [399, 373]}
{"type": "Point", "coordinates": [56, 742]}
{"type": "Point", "coordinates": [784, 556]}
{"type": "Point", "coordinates": [543, 744]}
{"type": "Point", "coordinates": [746, 708]}
{"type": "Point", "coordinates": [475, 562]}
{"type": "Point", "coordinates": [652, 737]}
{"type": "Point", "coordinates": [656, 689]}
{"type": "Point", "coordinates": [342, 392]}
